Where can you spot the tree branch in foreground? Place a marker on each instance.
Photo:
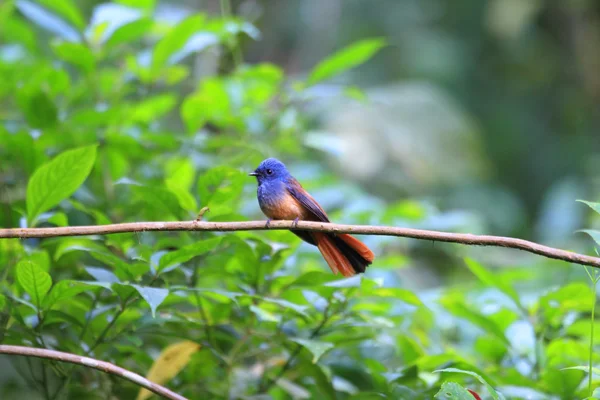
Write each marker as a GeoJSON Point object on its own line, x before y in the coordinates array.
{"type": "Point", "coordinates": [462, 238]}
{"type": "Point", "coordinates": [91, 363]}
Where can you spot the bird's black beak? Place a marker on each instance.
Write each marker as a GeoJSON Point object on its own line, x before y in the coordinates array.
{"type": "Point", "coordinates": [254, 173]}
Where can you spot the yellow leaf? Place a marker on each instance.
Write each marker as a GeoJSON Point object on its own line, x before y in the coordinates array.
{"type": "Point", "coordinates": [169, 363]}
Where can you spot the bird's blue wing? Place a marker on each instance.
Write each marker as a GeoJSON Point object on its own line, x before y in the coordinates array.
{"type": "Point", "coordinates": [302, 196]}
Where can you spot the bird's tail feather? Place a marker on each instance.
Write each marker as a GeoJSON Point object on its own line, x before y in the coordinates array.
{"type": "Point", "coordinates": [343, 253]}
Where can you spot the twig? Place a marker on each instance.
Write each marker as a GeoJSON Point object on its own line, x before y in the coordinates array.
{"type": "Point", "coordinates": [91, 363]}
{"type": "Point", "coordinates": [462, 238]}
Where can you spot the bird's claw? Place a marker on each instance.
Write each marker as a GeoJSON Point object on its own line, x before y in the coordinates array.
{"type": "Point", "coordinates": [268, 224]}
{"type": "Point", "coordinates": [295, 222]}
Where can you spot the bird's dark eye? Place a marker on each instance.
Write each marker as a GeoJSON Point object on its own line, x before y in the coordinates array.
{"type": "Point", "coordinates": [269, 171]}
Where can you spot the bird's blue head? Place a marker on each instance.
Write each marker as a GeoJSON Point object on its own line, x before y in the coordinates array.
{"type": "Point", "coordinates": [270, 169]}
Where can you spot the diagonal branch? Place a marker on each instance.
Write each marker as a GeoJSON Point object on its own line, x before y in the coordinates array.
{"type": "Point", "coordinates": [461, 238]}
{"type": "Point", "coordinates": [91, 363]}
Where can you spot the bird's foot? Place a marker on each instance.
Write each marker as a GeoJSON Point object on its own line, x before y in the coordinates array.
{"type": "Point", "coordinates": [295, 222]}
{"type": "Point", "coordinates": [268, 224]}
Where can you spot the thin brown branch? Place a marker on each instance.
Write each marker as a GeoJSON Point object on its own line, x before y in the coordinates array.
{"type": "Point", "coordinates": [91, 363]}
{"type": "Point", "coordinates": [462, 238]}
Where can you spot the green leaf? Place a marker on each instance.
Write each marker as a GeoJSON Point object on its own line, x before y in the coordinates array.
{"type": "Point", "coordinates": [595, 235]}
{"type": "Point", "coordinates": [153, 296]}
{"type": "Point", "coordinates": [66, 9]}
{"type": "Point", "coordinates": [490, 279]}
{"type": "Point", "coordinates": [592, 205]}
{"type": "Point", "coordinates": [143, 4]}
{"type": "Point", "coordinates": [459, 309]}
{"type": "Point", "coordinates": [317, 348]}
{"type": "Point", "coordinates": [210, 103]}
{"type": "Point", "coordinates": [453, 391]}
{"type": "Point", "coordinates": [175, 39]}
{"type": "Point", "coordinates": [584, 368]}
{"type": "Point", "coordinates": [77, 54]}
{"type": "Point", "coordinates": [129, 32]}
{"type": "Point", "coordinates": [188, 252]}
{"type": "Point", "coordinates": [2, 302]}
{"type": "Point", "coordinates": [220, 189]}
{"type": "Point", "coordinates": [34, 280]}
{"type": "Point", "coordinates": [264, 315]}
{"type": "Point", "coordinates": [348, 57]}
{"type": "Point", "coordinates": [39, 109]}
{"type": "Point", "coordinates": [401, 294]}
{"type": "Point", "coordinates": [58, 179]}
{"type": "Point", "coordinates": [65, 290]}
{"type": "Point", "coordinates": [286, 304]}
{"type": "Point", "coordinates": [495, 395]}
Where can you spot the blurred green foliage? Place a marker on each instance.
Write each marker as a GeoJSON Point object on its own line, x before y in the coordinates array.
{"type": "Point", "coordinates": [113, 114]}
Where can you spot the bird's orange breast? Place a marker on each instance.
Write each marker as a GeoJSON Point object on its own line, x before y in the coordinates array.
{"type": "Point", "coordinates": [285, 207]}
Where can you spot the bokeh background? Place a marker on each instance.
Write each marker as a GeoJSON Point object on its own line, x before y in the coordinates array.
{"type": "Point", "coordinates": [475, 116]}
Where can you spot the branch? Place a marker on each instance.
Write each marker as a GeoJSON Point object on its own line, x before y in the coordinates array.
{"type": "Point", "coordinates": [91, 363]}
{"type": "Point", "coordinates": [462, 238]}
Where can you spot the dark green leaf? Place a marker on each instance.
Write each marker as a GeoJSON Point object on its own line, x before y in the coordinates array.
{"type": "Point", "coordinates": [39, 109]}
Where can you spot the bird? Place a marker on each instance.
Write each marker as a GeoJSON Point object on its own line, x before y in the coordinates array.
{"type": "Point", "coordinates": [282, 197]}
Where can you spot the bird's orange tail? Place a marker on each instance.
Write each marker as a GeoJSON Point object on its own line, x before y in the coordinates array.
{"type": "Point", "coordinates": [343, 253]}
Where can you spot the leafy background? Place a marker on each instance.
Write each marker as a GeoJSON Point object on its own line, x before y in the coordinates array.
{"type": "Point", "coordinates": [467, 116]}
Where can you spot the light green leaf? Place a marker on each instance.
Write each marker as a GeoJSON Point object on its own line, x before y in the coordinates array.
{"type": "Point", "coordinates": [490, 279]}
{"type": "Point", "coordinates": [153, 296]}
{"type": "Point", "coordinates": [129, 32]}
{"type": "Point", "coordinates": [175, 39]}
{"type": "Point", "coordinates": [2, 302]}
{"type": "Point", "coordinates": [188, 252]}
{"type": "Point", "coordinates": [592, 205]}
{"type": "Point", "coordinates": [180, 172]}
{"type": "Point", "coordinates": [210, 103]}
{"type": "Point", "coordinates": [453, 391]}
{"type": "Point", "coordinates": [66, 9]}
{"type": "Point", "coordinates": [102, 275]}
{"type": "Point", "coordinates": [459, 309]}
{"type": "Point", "coordinates": [286, 304]}
{"type": "Point", "coordinates": [595, 235]}
{"type": "Point", "coordinates": [220, 189]}
{"type": "Point", "coordinates": [348, 57]}
{"type": "Point", "coordinates": [77, 54]}
{"type": "Point", "coordinates": [34, 280]}
{"type": "Point", "coordinates": [317, 348]}
{"type": "Point", "coordinates": [584, 368]}
{"type": "Point", "coordinates": [264, 315]}
{"type": "Point", "coordinates": [185, 198]}
{"type": "Point", "coordinates": [495, 395]}
{"type": "Point", "coordinates": [147, 5]}
{"type": "Point", "coordinates": [58, 179]}
{"type": "Point", "coordinates": [401, 294]}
